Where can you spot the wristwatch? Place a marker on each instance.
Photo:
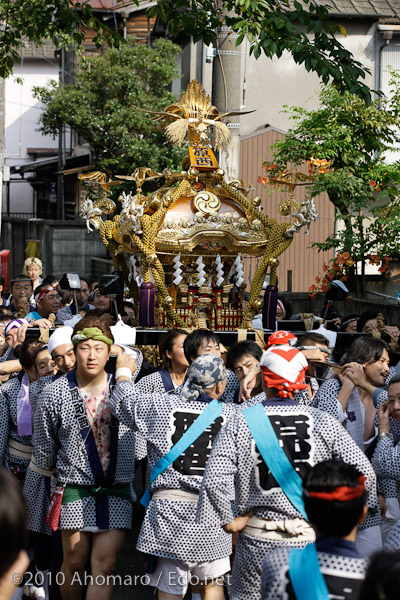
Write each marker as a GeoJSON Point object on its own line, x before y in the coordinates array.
{"type": "Point", "coordinates": [383, 435]}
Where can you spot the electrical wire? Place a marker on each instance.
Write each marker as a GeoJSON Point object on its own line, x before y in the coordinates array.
{"type": "Point", "coordinates": [221, 65]}
{"type": "Point", "coordinates": [244, 75]}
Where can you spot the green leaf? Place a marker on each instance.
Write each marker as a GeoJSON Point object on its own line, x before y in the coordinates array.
{"type": "Point", "coordinates": [240, 39]}
{"type": "Point", "coordinates": [99, 106]}
{"type": "Point", "coordinates": [280, 22]}
{"type": "Point", "coordinates": [354, 136]}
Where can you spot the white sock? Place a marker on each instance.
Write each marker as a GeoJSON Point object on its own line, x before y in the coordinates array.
{"type": "Point", "coordinates": [42, 579]}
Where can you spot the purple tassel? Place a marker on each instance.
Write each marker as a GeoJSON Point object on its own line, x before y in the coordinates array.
{"type": "Point", "coordinates": [269, 308]}
{"type": "Point", "coordinates": [146, 310]}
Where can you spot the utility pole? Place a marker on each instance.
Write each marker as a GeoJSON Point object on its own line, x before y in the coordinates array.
{"type": "Point", "coordinates": [61, 150]}
{"type": "Point", "coordinates": [66, 77]}
{"type": "Point", "coordinates": [227, 96]}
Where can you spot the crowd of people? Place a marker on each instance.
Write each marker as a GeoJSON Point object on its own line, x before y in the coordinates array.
{"type": "Point", "coordinates": [269, 472]}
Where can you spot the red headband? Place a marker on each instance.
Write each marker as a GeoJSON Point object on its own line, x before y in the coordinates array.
{"type": "Point", "coordinates": [45, 291]}
{"type": "Point", "coordinates": [281, 337]}
{"type": "Point", "coordinates": [342, 493]}
{"type": "Point", "coordinates": [284, 387]}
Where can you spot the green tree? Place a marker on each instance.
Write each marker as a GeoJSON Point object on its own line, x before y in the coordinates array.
{"type": "Point", "coordinates": [35, 21]}
{"type": "Point", "coordinates": [100, 106]}
{"type": "Point", "coordinates": [305, 29]}
{"type": "Point", "coordinates": [363, 187]}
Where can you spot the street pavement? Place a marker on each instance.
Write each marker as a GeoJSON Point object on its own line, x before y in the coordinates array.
{"type": "Point", "coordinates": [131, 582]}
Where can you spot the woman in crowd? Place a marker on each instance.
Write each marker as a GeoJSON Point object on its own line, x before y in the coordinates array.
{"type": "Point", "coordinates": [129, 308]}
{"type": "Point", "coordinates": [170, 378]}
{"type": "Point", "coordinates": [33, 268]}
{"type": "Point", "coordinates": [283, 309]}
{"type": "Point", "coordinates": [66, 298]}
{"type": "Point", "coordinates": [174, 365]}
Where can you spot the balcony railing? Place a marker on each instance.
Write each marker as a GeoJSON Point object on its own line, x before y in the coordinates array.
{"type": "Point", "coordinates": [20, 215]}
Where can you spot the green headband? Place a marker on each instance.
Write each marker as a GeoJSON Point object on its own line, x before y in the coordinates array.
{"type": "Point", "coordinates": [91, 333]}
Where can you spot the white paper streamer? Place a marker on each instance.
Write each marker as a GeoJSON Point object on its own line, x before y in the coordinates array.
{"type": "Point", "coordinates": [220, 271]}
{"type": "Point", "coordinates": [201, 271]}
{"type": "Point", "coordinates": [135, 270]}
{"type": "Point", "coordinates": [177, 269]}
{"type": "Point", "coordinates": [239, 271]}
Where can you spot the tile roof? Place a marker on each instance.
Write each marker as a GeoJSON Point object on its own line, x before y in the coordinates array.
{"type": "Point", "coordinates": [374, 8]}
{"type": "Point", "coordinates": [110, 5]}
{"type": "Point", "coordinates": [104, 4]}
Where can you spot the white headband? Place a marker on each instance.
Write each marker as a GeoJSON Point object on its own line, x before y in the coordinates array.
{"type": "Point", "coordinates": [62, 335]}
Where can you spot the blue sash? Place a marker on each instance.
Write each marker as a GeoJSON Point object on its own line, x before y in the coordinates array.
{"type": "Point", "coordinates": [306, 577]}
{"type": "Point", "coordinates": [212, 411]}
{"type": "Point", "coordinates": [274, 456]}
{"type": "Point", "coordinates": [101, 479]}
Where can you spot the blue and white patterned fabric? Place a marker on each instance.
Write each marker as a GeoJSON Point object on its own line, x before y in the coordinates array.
{"type": "Point", "coordinates": [235, 462]}
{"type": "Point", "coordinates": [342, 567]}
{"type": "Point", "coordinates": [203, 374]}
{"type": "Point", "coordinates": [169, 529]}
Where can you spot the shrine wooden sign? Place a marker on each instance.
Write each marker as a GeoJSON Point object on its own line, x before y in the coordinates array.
{"type": "Point", "coordinates": [202, 158]}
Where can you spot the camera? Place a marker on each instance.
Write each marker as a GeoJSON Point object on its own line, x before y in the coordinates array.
{"type": "Point", "coordinates": [33, 333]}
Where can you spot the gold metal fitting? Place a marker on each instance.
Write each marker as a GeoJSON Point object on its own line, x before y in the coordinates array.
{"type": "Point", "coordinates": [193, 173]}
{"type": "Point", "coordinates": [273, 262]}
{"type": "Point", "coordinates": [151, 259]}
{"type": "Point", "coordinates": [155, 203]}
{"type": "Point", "coordinates": [168, 301]}
{"type": "Point", "coordinates": [167, 200]}
{"type": "Point", "coordinates": [257, 305]}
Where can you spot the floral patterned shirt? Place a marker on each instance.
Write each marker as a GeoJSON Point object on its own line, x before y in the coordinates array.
{"type": "Point", "coordinates": [99, 415]}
